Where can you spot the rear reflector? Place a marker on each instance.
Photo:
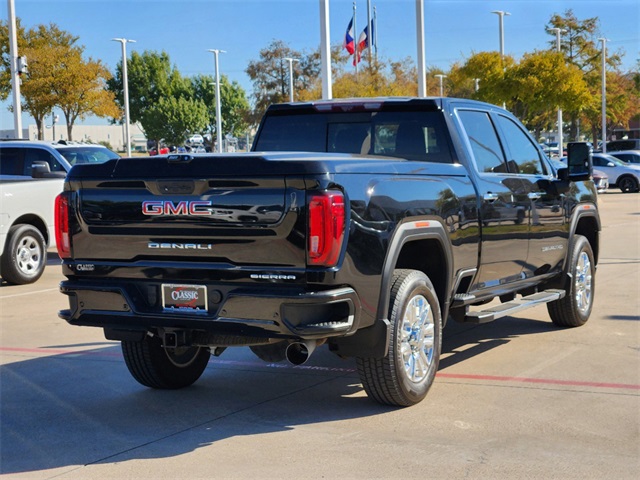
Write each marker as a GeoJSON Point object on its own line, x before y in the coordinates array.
{"type": "Point", "coordinates": [326, 228]}
{"type": "Point", "coordinates": [63, 242]}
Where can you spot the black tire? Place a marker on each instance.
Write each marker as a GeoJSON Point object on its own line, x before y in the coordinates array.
{"type": "Point", "coordinates": [154, 366]}
{"type": "Point", "coordinates": [404, 376]}
{"type": "Point", "coordinates": [24, 256]}
{"type": "Point", "coordinates": [628, 184]}
{"type": "Point", "coordinates": [574, 309]}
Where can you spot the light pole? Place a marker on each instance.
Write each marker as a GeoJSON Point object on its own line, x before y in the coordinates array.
{"type": "Point", "coordinates": [440, 76]}
{"type": "Point", "coordinates": [15, 74]}
{"type": "Point", "coordinates": [604, 94]}
{"type": "Point", "coordinates": [476, 83]}
{"type": "Point", "coordinates": [559, 31]}
{"type": "Point", "coordinates": [291, 60]}
{"type": "Point", "coordinates": [501, 14]}
{"type": "Point", "coordinates": [218, 109]}
{"type": "Point", "coordinates": [54, 120]}
{"type": "Point", "coordinates": [125, 84]}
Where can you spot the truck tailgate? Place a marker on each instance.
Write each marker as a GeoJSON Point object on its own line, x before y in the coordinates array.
{"type": "Point", "coordinates": [232, 222]}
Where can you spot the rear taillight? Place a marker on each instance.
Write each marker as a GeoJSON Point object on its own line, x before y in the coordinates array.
{"type": "Point", "coordinates": [326, 228]}
{"type": "Point", "coordinates": [63, 242]}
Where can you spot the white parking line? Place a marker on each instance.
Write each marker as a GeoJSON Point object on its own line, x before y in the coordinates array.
{"type": "Point", "coordinates": [29, 293]}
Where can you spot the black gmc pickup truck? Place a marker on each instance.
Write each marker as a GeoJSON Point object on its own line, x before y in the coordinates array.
{"type": "Point", "coordinates": [363, 224]}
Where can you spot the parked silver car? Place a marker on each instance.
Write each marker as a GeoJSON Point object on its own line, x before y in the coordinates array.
{"type": "Point", "coordinates": [628, 156]}
{"type": "Point", "coordinates": [625, 176]}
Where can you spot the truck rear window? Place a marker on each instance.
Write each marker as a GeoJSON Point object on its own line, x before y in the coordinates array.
{"type": "Point", "coordinates": [420, 136]}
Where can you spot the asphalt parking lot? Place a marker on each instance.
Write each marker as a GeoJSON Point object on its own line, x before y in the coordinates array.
{"type": "Point", "coordinates": [517, 398]}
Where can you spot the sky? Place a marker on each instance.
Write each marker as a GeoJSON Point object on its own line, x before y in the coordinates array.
{"type": "Point", "coordinates": [186, 29]}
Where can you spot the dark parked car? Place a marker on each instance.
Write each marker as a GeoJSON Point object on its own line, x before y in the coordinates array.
{"type": "Point", "coordinates": [627, 144]}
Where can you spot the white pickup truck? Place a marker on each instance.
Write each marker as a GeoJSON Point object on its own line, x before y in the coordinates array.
{"type": "Point", "coordinates": [31, 176]}
{"type": "Point", "coordinates": [26, 227]}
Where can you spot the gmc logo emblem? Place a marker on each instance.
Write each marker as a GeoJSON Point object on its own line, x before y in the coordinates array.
{"type": "Point", "coordinates": [167, 207]}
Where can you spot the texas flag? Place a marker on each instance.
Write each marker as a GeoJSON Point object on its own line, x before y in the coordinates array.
{"type": "Point", "coordinates": [363, 44]}
{"type": "Point", "coordinates": [349, 44]}
{"type": "Point", "coordinates": [363, 41]}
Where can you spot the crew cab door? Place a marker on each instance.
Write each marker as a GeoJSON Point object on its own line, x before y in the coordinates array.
{"type": "Point", "coordinates": [502, 203]}
{"type": "Point", "coordinates": [544, 204]}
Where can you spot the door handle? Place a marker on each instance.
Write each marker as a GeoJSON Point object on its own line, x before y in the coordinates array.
{"type": "Point", "coordinates": [534, 195]}
{"type": "Point", "coordinates": [491, 197]}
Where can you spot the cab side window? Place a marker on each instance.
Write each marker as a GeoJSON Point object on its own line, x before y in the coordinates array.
{"type": "Point", "coordinates": [32, 155]}
{"type": "Point", "coordinates": [523, 153]}
{"type": "Point", "coordinates": [10, 161]}
{"type": "Point", "coordinates": [485, 145]}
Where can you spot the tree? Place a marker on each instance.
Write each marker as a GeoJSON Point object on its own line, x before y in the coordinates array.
{"type": "Point", "coordinates": [152, 81]}
{"type": "Point", "coordinates": [270, 75]}
{"type": "Point", "coordinates": [81, 90]}
{"type": "Point", "coordinates": [540, 83]}
{"type": "Point", "coordinates": [489, 68]}
{"type": "Point", "coordinates": [622, 105]}
{"type": "Point", "coordinates": [580, 47]}
{"type": "Point", "coordinates": [151, 77]}
{"type": "Point", "coordinates": [234, 105]}
{"type": "Point", "coordinates": [58, 76]}
{"type": "Point", "coordinates": [173, 119]}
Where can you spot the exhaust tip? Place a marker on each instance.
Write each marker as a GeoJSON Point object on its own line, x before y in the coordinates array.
{"type": "Point", "coordinates": [297, 353]}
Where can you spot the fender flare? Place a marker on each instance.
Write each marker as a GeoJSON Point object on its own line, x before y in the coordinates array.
{"type": "Point", "coordinates": [408, 232]}
{"type": "Point", "coordinates": [582, 211]}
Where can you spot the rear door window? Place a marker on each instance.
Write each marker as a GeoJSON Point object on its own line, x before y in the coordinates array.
{"type": "Point", "coordinates": [487, 151]}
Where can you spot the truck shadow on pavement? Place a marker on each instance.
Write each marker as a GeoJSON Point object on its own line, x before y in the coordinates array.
{"type": "Point", "coordinates": [81, 406]}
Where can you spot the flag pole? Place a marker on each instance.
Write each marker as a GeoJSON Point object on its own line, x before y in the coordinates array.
{"type": "Point", "coordinates": [355, 40]}
{"type": "Point", "coordinates": [422, 69]}
{"type": "Point", "coordinates": [325, 51]}
{"type": "Point", "coordinates": [375, 30]}
{"type": "Point", "coordinates": [370, 39]}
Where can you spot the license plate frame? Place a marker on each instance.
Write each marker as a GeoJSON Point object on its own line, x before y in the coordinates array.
{"type": "Point", "coordinates": [184, 298]}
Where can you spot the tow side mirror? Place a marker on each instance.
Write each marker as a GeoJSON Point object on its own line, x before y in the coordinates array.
{"type": "Point", "coordinates": [579, 161]}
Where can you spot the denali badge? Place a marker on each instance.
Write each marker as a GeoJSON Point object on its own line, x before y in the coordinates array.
{"type": "Point", "coordinates": [180, 246]}
{"type": "Point", "coordinates": [167, 207]}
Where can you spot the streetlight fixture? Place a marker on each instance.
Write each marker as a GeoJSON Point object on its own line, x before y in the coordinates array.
{"type": "Point", "coordinates": [501, 14]}
{"type": "Point", "coordinates": [125, 84]}
{"type": "Point", "coordinates": [440, 76]}
{"type": "Point", "coordinates": [216, 52]}
{"type": "Point", "coordinates": [559, 31]}
{"type": "Point", "coordinates": [604, 94]}
{"type": "Point", "coordinates": [291, 60]}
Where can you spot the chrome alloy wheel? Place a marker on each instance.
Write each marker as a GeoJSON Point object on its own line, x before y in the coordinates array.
{"type": "Point", "coordinates": [417, 338]}
{"type": "Point", "coordinates": [583, 282]}
{"type": "Point", "coordinates": [28, 255]}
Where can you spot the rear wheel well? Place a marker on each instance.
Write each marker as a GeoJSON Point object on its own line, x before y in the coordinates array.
{"type": "Point", "coordinates": [37, 222]}
{"type": "Point", "coordinates": [428, 257]}
{"type": "Point", "coordinates": [588, 227]}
